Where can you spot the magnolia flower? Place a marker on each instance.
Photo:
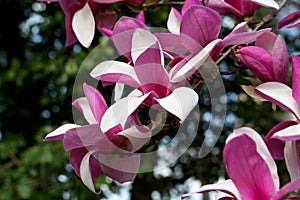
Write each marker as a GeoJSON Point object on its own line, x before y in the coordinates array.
{"type": "Point", "coordinates": [268, 59]}
{"type": "Point", "coordinates": [240, 8]}
{"type": "Point", "coordinates": [94, 151]}
{"type": "Point", "coordinates": [251, 168]}
{"type": "Point", "coordinates": [153, 84]}
{"type": "Point", "coordinates": [293, 19]}
{"type": "Point", "coordinates": [289, 99]}
{"type": "Point", "coordinates": [193, 25]}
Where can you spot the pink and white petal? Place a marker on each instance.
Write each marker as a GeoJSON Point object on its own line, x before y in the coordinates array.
{"type": "Point", "coordinates": [248, 165]}
{"type": "Point", "coordinates": [85, 172]}
{"type": "Point", "coordinates": [276, 146]}
{"type": "Point", "coordinates": [261, 149]}
{"type": "Point", "coordinates": [58, 134]}
{"type": "Point", "coordinates": [83, 24]}
{"type": "Point", "coordinates": [82, 104]}
{"type": "Point", "coordinates": [120, 167]}
{"type": "Point", "coordinates": [296, 77]}
{"type": "Point", "coordinates": [288, 188]}
{"type": "Point", "coordinates": [96, 101]}
{"type": "Point", "coordinates": [194, 63]}
{"type": "Point", "coordinates": [280, 59]}
{"type": "Point", "coordinates": [142, 40]}
{"type": "Point", "coordinates": [266, 41]}
{"type": "Point", "coordinates": [118, 91]}
{"type": "Point", "coordinates": [292, 159]}
{"type": "Point", "coordinates": [120, 111]}
{"type": "Point", "coordinates": [171, 44]}
{"type": "Point", "coordinates": [136, 137]}
{"type": "Point", "coordinates": [227, 187]}
{"type": "Point", "coordinates": [174, 22]}
{"type": "Point", "coordinates": [272, 91]}
{"type": "Point", "coordinates": [115, 72]}
{"type": "Point", "coordinates": [267, 3]}
{"type": "Point", "coordinates": [196, 30]}
{"type": "Point", "coordinates": [180, 102]}
{"type": "Point", "coordinates": [295, 24]}
{"type": "Point", "coordinates": [289, 19]}
{"type": "Point", "coordinates": [290, 133]}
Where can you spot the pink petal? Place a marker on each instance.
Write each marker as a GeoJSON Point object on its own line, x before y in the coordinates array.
{"type": "Point", "coordinates": [123, 32]}
{"type": "Point", "coordinates": [227, 187]}
{"type": "Point", "coordinates": [224, 8]}
{"type": "Point", "coordinates": [96, 101]}
{"type": "Point", "coordinates": [174, 22]}
{"type": "Point", "coordinates": [180, 102]}
{"type": "Point", "coordinates": [290, 133]}
{"type": "Point", "coordinates": [272, 91]}
{"type": "Point", "coordinates": [188, 4]}
{"type": "Point", "coordinates": [76, 157]}
{"type": "Point", "coordinates": [141, 17]}
{"type": "Point", "coordinates": [141, 41]}
{"type": "Point", "coordinates": [266, 41]}
{"type": "Point", "coordinates": [106, 19]}
{"type": "Point", "coordinates": [85, 172]}
{"type": "Point", "coordinates": [196, 30]}
{"type": "Point", "coordinates": [171, 43]}
{"type": "Point", "coordinates": [296, 77]}
{"type": "Point", "coordinates": [120, 111]}
{"type": "Point", "coordinates": [289, 19]}
{"type": "Point", "coordinates": [280, 60]}
{"type": "Point", "coordinates": [292, 159]}
{"type": "Point", "coordinates": [247, 161]}
{"type": "Point", "coordinates": [276, 146]}
{"type": "Point", "coordinates": [194, 63]}
{"type": "Point", "coordinates": [288, 188]}
{"type": "Point", "coordinates": [83, 24]}
{"type": "Point", "coordinates": [267, 3]}
{"type": "Point", "coordinates": [82, 104]}
{"type": "Point", "coordinates": [121, 168]}
{"type": "Point", "coordinates": [115, 72]}
{"type": "Point", "coordinates": [259, 61]}
{"type": "Point", "coordinates": [58, 134]}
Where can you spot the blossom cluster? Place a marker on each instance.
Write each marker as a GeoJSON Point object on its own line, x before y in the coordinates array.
{"type": "Point", "coordinates": [160, 68]}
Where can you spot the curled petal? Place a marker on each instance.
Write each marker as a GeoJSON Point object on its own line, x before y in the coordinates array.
{"type": "Point", "coordinates": [272, 91]}
{"type": "Point", "coordinates": [288, 188]}
{"type": "Point", "coordinates": [180, 102]}
{"type": "Point", "coordinates": [82, 104]}
{"type": "Point", "coordinates": [296, 77]}
{"type": "Point", "coordinates": [289, 19]}
{"type": "Point", "coordinates": [276, 146]}
{"type": "Point", "coordinates": [292, 160]}
{"type": "Point", "coordinates": [120, 111]}
{"type": "Point", "coordinates": [174, 21]}
{"type": "Point", "coordinates": [83, 24]}
{"type": "Point", "coordinates": [267, 3]}
{"type": "Point", "coordinates": [227, 187]}
{"type": "Point", "coordinates": [251, 167]}
{"type": "Point", "coordinates": [58, 134]}
{"type": "Point", "coordinates": [290, 133]}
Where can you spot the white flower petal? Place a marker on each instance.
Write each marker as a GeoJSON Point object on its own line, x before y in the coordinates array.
{"type": "Point", "coordinates": [86, 110]}
{"type": "Point", "coordinates": [83, 24]}
{"type": "Point", "coordinates": [180, 102]}
{"type": "Point", "coordinates": [60, 131]}
{"type": "Point", "coordinates": [291, 157]}
{"type": "Point", "coordinates": [192, 65]}
{"type": "Point", "coordinates": [120, 111]}
{"type": "Point", "coordinates": [173, 22]}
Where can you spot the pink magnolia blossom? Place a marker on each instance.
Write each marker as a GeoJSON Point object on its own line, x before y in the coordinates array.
{"type": "Point", "coordinates": [287, 98]}
{"type": "Point", "coordinates": [240, 8]}
{"type": "Point", "coordinates": [154, 85]}
{"type": "Point", "coordinates": [268, 59]}
{"type": "Point", "coordinates": [94, 151]}
{"type": "Point", "coordinates": [251, 168]}
{"type": "Point", "coordinates": [193, 25]}
{"type": "Point", "coordinates": [293, 19]}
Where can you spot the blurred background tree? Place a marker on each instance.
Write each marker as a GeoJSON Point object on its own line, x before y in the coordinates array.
{"type": "Point", "coordinates": [37, 74]}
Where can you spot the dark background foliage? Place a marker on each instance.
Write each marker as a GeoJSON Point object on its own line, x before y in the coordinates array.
{"type": "Point", "coordinates": [37, 74]}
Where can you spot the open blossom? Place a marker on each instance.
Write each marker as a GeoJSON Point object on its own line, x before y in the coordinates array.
{"type": "Point", "coordinates": [251, 168]}
{"type": "Point", "coordinates": [93, 151]}
{"type": "Point", "coordinates": [291, 21]}
{"type": "Point", "coordinates": [240, 8]}
{"type": "Point", "coordinates": [193, 25]}
{"type": "Point", "coordinates": [268, 59]}
{"type": "Point", "coordinates": [289, 99]}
